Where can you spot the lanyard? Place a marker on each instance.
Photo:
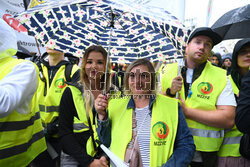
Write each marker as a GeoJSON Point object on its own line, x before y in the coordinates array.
{"type": "Point", "coordinates": [190, 85]}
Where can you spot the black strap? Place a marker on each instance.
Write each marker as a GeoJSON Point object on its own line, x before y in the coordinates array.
{"type": "Point", "coordinates": [68, 70]}
{"type": "Point", "coordinates": [92, 134]}
{"type": "Point", "coordinates": [41, 75]}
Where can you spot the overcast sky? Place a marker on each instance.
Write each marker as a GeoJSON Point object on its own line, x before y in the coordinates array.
{"type": "Point", "coordinates": [198, 9]}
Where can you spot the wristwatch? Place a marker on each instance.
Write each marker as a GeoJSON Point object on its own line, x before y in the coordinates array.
{"type": "Point", "coordinates": [169, 93]}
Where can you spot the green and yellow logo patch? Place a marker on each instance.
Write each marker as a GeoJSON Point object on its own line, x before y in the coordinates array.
{"type": "Point", "coordinates": [160, 130]}
{"type": "Point", "coordinates": [205, 88]}
{"type": "Point", "coordinates": [60, 83]}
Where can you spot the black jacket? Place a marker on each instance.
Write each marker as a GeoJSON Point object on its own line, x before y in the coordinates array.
{"type": "Point", "coordinates": [242, 119]}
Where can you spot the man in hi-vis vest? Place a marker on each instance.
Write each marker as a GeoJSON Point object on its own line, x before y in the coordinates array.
{"type": "Point", "coordinates": [21, 132]}
{"type": "Point", "coordinates": [206, 94]}
{"type": "Point", "coordinates": [54, 76]}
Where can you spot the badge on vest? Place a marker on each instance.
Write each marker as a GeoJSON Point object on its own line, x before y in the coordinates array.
{"type": "Point", "coordinates": [160, 131]}
{"type": "Point", "coordinates": [59, 84]}
{"type": "Point", "coordinates": [204, 89]}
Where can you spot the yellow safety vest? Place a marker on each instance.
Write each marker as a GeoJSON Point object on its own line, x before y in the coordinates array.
{"type": "Point", "coordinates": [161, 142]}
{"type": "Point", "coordinates": [205, 91]}
{"type": "Point", "coordinates": [234, 86]}
{"type": "Point", "coordinates": [231, 143]}
{"type": "Point", "coordinates": [49, 103]}
{"type": "Point", "coordinates": [81, 124]}
{"type": "Point", "coordinates": [21, 135]}
{"type": "Point", "coordinates": [169, 72]}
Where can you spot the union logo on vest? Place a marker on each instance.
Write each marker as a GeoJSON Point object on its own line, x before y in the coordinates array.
{"type": "Point", "coordinates": [60, 84]}
{"type": "Point", "coordinates": [160, 131]}
{"type": "Point", "coordinates": [204, 88]}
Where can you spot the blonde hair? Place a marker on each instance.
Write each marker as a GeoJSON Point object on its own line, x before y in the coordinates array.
{"type": "Point", "coordinates": [87, 94]}
{"type": "Point", "coordinates": [151, 69]}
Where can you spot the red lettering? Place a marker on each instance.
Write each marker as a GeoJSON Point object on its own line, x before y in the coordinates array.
{"type": "Point", "coordinates": [16, 25]}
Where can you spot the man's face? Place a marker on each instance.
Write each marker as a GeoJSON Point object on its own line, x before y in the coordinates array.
{"type": "Point", "coordinates": [53, 52]}
{"type": "Point", "coordinates": [199, 48]}
{"type": "Point", "coordinates": [215, 60]}
{"type": "Point", "coordinates": [227, 63]}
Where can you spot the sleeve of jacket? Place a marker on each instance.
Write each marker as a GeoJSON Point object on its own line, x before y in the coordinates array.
{"type": "Point", "coordinates": [68, 140]}
{"type": "Point", "coordinates": [184, 147]}
{"type": "Point", "coordinates": [243, 106]}
{"type": "Point", "coordinates": [17, 89]}
{"type": "Point", "coordinates": [104, 131]}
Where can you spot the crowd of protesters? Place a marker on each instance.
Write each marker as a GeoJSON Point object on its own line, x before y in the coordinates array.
{"type": "Point", "coordinates": [58, 112]}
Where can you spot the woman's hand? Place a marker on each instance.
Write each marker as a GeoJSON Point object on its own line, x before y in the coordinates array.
{"type": "Point", "coordinates": [101, 104]}
{"type": "Point", "coordinates": [102, 162]}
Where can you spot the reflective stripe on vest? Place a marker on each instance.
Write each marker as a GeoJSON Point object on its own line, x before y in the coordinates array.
{"type": "Point", "coordinates": [231, 140]}
{"type": "Point", "coordinates": [48, 108]}
{"type": "Point", "coordinates": [18, 125]}
{"type": "Point", "coordinates": [21, 135]}
{"type": "Point", "coordinates": [205, 91]}
{"type": "Point", "coordinates": [231, 143]}
{"type": "Point", "coordinates": [207, 133]}
{"type": "Point", "coordinates": [80, 126]}
{"type": "Point", "coordinates": [8, 152]}
{"type": "Point", "coordinates": [49, 103]}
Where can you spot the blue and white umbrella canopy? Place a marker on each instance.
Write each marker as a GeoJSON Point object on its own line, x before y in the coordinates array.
{"type": "Point", "coordinates": [72, 26]}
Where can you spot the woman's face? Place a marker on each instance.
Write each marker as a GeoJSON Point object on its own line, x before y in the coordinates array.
{"type": "Point", "coordinates": [95, 65]}
{"type": "Point", "coordinates": [244, 57]}
{"type": "Point", "coordinates": [140, 80]}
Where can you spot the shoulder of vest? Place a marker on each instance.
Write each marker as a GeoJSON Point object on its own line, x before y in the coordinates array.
{"type": "Point", "coordinates": [161, 97]}
{"type": "Point", "coordinates": [217, 69]}
{"type": "Point", "coordinates": [120, 100]}
{"type": "Point", "coordinates": [170, 66]}
{"type": "Point", "coordinates": [19, 61]}
{"type": "Point", "coordinates": [76, 86]}
{"type": "Point", "coordinates": [75, 68]}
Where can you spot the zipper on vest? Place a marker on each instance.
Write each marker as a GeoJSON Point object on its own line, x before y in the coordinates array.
{"type": "Point", "coordinates": [50, 76]}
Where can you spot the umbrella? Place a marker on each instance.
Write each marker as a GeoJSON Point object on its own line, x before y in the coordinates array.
{"type": "Point", "coordinates": [234, 24]}
{"type": "Point", "coordinates": [127, 32]}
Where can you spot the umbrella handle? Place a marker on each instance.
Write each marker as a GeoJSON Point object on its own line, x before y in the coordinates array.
{"type": "Point", "coordinates": [179, 73]}
{"type": "Point", "coordinates": [38, 47]}
{"type": "Point", "coordinates": [107, 63]}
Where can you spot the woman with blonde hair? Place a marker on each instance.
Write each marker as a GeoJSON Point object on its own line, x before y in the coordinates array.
{"type": "Point", "coordinates": [147, 129]}
{"type": "Point", "coordinates": [77, 124]}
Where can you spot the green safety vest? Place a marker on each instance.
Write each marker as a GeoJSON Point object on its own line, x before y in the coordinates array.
{"type": "Point", "coordinates": [231, 143]}
{"type": "Point", "coordinates": [164, 122]}
{"type": "Point", "coordinates": [21, 135]}
{"type": "Point", "coordinates": [49, 103]}
{"type": "Point", "coordinates": [81, 123]}
{"type": "Point", "coordinates": [205, 91]}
